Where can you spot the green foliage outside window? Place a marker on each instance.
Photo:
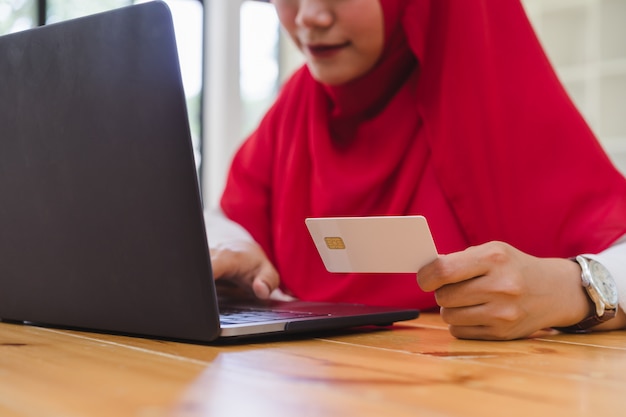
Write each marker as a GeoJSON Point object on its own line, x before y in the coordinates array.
{"type": "Point", "coordinates": [16, 15]}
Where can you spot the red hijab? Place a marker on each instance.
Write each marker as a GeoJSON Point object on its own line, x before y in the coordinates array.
{"type": "Point", "coordinates": [463, 120]}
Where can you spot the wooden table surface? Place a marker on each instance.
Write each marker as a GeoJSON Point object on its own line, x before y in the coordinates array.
{"type": "Point", "coordinates": [413, 369]}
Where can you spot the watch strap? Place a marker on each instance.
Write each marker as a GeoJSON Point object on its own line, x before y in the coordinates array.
{"type": "Point", "coordinates": [588, 322]}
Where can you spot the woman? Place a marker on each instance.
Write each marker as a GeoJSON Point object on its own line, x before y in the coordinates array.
{"type": "Point", "coordinates": [443, 108]}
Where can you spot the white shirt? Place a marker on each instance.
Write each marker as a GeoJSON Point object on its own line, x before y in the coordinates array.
{"type": "Point", "coordinates": [614, 259]}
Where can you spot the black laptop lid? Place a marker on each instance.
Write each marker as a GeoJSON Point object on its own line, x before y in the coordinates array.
{"type": "Point", "coordinates": [100, 214]}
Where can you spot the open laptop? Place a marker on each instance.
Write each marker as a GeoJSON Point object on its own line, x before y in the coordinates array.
{"type": "Point", "coordinates": [101, 224]}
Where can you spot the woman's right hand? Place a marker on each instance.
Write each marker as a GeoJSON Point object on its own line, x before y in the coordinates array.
{"type": "Point", "coordinates": [245, 264]}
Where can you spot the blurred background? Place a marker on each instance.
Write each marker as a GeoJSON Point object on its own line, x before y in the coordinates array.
{"type": "Point", "coordinates": [234, 58]}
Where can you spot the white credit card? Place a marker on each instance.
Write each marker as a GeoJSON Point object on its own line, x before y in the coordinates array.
{"type": "Point", "coordinates": [392, 244]}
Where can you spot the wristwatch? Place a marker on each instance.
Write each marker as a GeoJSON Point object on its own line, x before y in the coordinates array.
{"type": "Point", "coordinates": [602, 291]}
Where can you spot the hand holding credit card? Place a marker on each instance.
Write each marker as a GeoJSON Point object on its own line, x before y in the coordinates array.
{"type": "Point", "coordinates": [377, 244]}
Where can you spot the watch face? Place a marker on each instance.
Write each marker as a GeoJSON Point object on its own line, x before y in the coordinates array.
{"type": "Point", "coordinates": [603, 282]}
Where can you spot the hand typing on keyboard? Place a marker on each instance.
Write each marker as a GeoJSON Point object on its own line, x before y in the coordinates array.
{"type": "Point", "coordinates": [245, 264]}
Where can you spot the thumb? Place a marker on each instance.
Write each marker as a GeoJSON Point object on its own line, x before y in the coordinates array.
{"type": "Point", "coordinates": [265, 282]}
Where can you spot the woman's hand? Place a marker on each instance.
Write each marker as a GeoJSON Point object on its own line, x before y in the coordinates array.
{"type": "Point", "coordinates": [496, 292]}
{"type": "Point", "coordinates": [245, 264]}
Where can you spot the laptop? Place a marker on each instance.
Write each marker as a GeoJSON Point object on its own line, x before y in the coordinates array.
{"type": "Point", "coordinates": [101, 218]}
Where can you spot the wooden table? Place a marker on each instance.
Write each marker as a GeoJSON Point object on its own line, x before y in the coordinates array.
{"type": "Point", "coordinates": [414, 369]}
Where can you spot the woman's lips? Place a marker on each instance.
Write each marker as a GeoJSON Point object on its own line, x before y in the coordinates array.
{"type": "Point", "coordinates": [325, 51]}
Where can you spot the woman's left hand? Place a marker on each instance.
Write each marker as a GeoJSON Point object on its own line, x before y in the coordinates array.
{"type": "Point", "coordinates": [496, 292]}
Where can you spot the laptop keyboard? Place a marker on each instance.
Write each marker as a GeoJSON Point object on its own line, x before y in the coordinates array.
{"type": "Point", "coordinates": [243, 316]}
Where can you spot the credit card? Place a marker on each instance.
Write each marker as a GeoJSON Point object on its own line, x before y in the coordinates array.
{"type": "Point", "coordinates": [376, 244]}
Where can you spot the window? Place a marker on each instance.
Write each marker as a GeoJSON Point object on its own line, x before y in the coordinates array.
{"type": "Point", "coordinates": [188, 17]}
{"type": "Point", "coordinates": [241, 81]}
{"type": "Point", "coordinates": [16, 15]}
{"type": "Point", "coordinates": [242, 34]}
{"type": "Point", "coordinates": [258, 79]}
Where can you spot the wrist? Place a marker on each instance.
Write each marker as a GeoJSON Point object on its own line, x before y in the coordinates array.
{"type": "Point", "coordinates": [601, 292]}
{"type": "Point", "coordinates": [575, 304]}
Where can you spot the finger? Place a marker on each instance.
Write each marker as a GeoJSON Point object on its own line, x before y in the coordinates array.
{"type": "Point", "coordinates": [484, 321]}
{"type": "Point", "coordinates": [461, 266]}
{"type": "Point", "coordinates": [489, 333]}
{"type": "Point", "coordinates": [474, 333]}
{"type": "Point", "coordinates": [465, 316]}
{"type": "Point", "coordinates": [487, 314]}
{"type": "Point", "coordinates": [449, 269]}
{"type": "Point", "coordinates": [467, 293]}
{"type": "Point", "coordinates": [265, 282]}
{"type": "Point", "coordinates": [261, 289]}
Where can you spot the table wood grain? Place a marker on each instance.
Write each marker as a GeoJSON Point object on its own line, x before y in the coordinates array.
{"type": "Point", "coordinates": [413, 368]}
